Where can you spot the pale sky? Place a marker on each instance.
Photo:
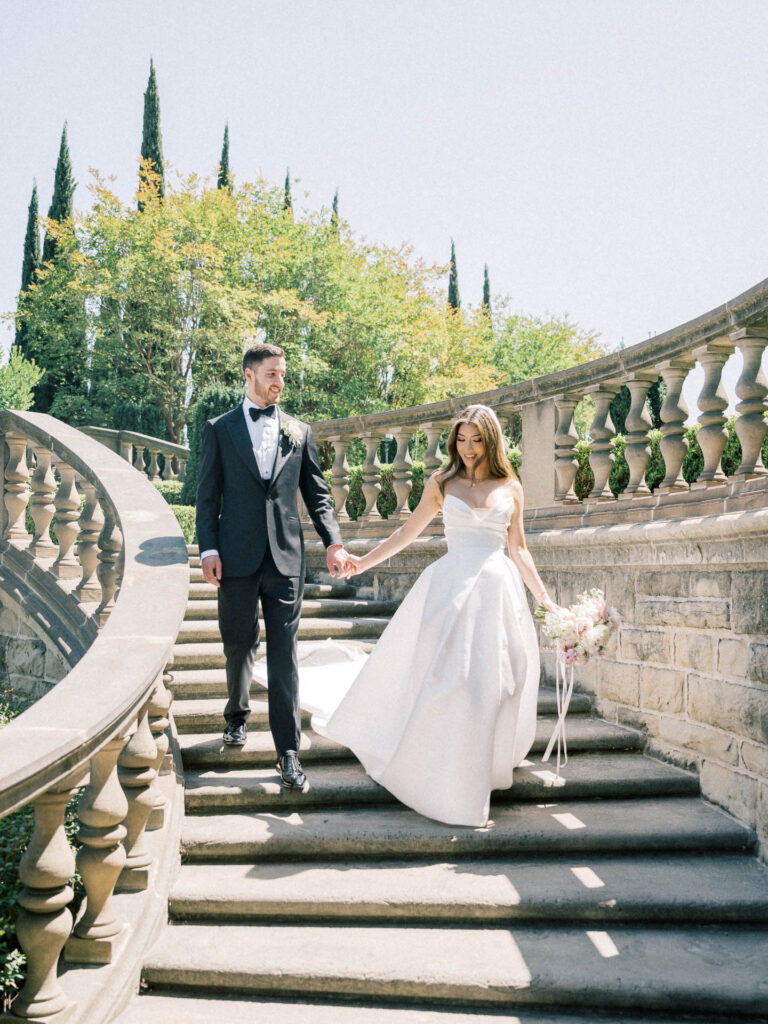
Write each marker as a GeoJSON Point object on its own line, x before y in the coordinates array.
{"type": "Point", "coordinates": [607, 158]}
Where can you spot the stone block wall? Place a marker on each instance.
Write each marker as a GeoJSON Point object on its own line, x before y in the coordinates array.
{"type": "Point", "coordinates": [689, 664]}
{"type": "Point", "coordinates": [29, 661]}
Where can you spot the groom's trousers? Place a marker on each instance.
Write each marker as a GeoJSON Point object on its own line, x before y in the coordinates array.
{"type": "Point", "coordinates": [280, 597]}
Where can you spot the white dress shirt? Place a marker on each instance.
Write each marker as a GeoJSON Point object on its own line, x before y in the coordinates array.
{"type": "Point", "coordinates": [265, 434]}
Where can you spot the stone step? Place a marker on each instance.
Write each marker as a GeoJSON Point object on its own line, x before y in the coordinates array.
{"type": "Point", "coordinates": [586, 776]}
{"type": "Point", "coordinates": [638, 826]}
{"type": "Point", "coordinates": [210, 655]}
{"type": "Point", "coordinates": [202, 591]}
{"type": "Point", "coordinates": [632, 968]}
{"type": "Point", "coordinates": [203, 1009]}
{"type": "Point", "coordinates": [207, 684]}
{"type": "Point", "coordinates": [311, 608]}
{"type": "Point", "coordinates": [207, 749]}
{"type": "Point", "coordinates": [695, 889]}
{"type": "Point", "coordinates": [203, 631]}
{"type": "Point", "coordinates": [204, 714]}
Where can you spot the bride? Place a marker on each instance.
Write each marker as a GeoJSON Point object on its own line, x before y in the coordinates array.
{"type": "Point", "coordinates": [444, 707]}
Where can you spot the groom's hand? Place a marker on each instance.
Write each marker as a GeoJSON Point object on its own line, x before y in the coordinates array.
{"type": "Point", "coordinates": [211, 566]}
{"type": "Point", "coordinates": [336, 559]}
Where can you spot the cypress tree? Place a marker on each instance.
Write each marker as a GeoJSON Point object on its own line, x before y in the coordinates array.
{"type": "Point", "coordinates": [486, 292]}
{"type": "Point", "coordinates": [151, 139]}
{"type": "Point", "coordinates": [454, 302]}
{"type": "Point", "coordinates": [287, 201]}
{"type": "Point", "coordinates": [335, 212]}
{"type": "Point", "coordinates": [225, 177]}
{"type": "Point", "coordinates": [63, 193]}
{"type": "Point", "coordinates": [30, 263]}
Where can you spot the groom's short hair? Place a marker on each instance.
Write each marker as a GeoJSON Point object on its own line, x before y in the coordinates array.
{"type": "Point", "coordinates": [258, 353]}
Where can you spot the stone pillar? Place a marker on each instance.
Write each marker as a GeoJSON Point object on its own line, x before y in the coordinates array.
{"type": "Point", "coordinates": [371, 476]}
{"type": "Point", "coordinates": [138, 457]}
{"type": "Point", "coordinates": [110, 546]}
{"type": "Point", "coordinates": [401, 466]}
{"type": "Point", "coordinates": [433, 457]}
{"type": "Point", "coordinates": [159, 707]}
{"type": "Point", "coordinates": [712, 402]}
{"type": "Point", "coordinates": [41, 507]}
{"type": "Point", "coordinates": [91, 524]}
{"type": "Point", "coordinates": [16, 489]}
{"type": "Point", "coordinates": [100, 859]}
{"type": "Point", "coordinates": [602, 432]}
{"type": "Point", "coordinates": [45, 920]}
{"type": "Point", "coordinates": [638, 424]}
{"type": "Point", "coordinates": [340, 476]}
{"type": "Point", "coordinates": [153, 472]}
{"type": "Point", "coordinates": [537, 471]}
{"type": "Point", "coordinates": [137, 774]}
{"type": "Point", "coordinates": [674, 413]}
{"type": "Point", "coordinates": [566, 437]}
{"type": "Point", "coordinates": [182, 469]}
{"type": "Point", "coordinates": [65, 524]}
{"type": "Point", "coordinates": [751, 389]}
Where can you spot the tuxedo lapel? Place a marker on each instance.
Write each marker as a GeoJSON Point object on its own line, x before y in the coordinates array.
{"type": "Point", "coordinates": [241, 439]}
{"type": "Point", "coordinates": [284, 450]}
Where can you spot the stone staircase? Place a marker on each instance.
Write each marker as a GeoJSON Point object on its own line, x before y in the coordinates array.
{"type": "Point", "coordinates": [621, 896]}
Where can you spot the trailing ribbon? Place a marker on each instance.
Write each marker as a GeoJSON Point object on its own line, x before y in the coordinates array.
{"type": "Point", "coordinates": [563, 693]}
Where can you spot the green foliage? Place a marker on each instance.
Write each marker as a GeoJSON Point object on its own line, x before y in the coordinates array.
{"type": "Point", "coordinates": [531, 346]}
{"type": "Point", "coordinates": [170, 490]}
{"type": "Point", "coordinates": [185, 515]}
{"type": "Point", "coordinates": [63, 195]}
{"type": "Point", "coordinates": [486, 304]}
{"type": "Point", "coordinates": [213, 401]}
{"type": "Point", "coordinates": [151, 137]}
{"type": "Point", "coordinates": [622, 401]}
{"type": "Point", "coordinates": [287, 201]}
{"type": "Point", "coordinates": [30, 263]}
{"type": "Point", "coordinates": [386, 501]}
{"type": "Point", "coordinates": [335, 213]}
{"type": "Point", "coordinates": [141, 418]}
{"type": "Point", "coordinates": [454, 300]}
{"type": "Point", "coordinates": [18, 377]}
{"type": "Point", "coordinates": [224, 179]}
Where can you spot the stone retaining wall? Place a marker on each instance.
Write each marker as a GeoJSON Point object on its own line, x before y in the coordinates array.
{"type": "Point", "coordinates": [29, 660]}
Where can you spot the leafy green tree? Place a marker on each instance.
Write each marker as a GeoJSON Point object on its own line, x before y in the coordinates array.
{"type": "Point", "coordinates": [64, 186]}
{"type": "Point", "coordinates": [30, 264]}
{"type": "Point", "coordinates": [335, 212]}
{"type": "Point", "coordinates": [531, 346]}
{"type": "Point", "coordinates": [454, 301]}
{"type": "Point", "coordinates": [225, 176]}
{"type": "Point", "coordinates": [287, 201]}
{"type": "Point", "coordinates": [486, 304]}
{"type": "Point", "coordinates": [18, 378]}
{"type": "Point", "coordinates": [213, 401]}
{"type": "Point", "coordinates": [151, 137]}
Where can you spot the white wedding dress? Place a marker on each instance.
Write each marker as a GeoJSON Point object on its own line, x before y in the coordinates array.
{"type": "Point", "coordinates": [444, 707]}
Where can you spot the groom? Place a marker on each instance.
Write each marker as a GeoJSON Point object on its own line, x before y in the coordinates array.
{"type": "Point", "coordinates": [254, 462]}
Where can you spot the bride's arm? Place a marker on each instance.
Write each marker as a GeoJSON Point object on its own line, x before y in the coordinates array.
{"type": "Point", "coordinates": [521, 556]}
{"type": "Point", "coordinates": [430, 504]}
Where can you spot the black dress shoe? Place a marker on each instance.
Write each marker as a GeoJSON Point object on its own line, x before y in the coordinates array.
{"type": "Point", "coordinates": [289, 769]}
{"type": "Point", "coordinates": [235, 734]}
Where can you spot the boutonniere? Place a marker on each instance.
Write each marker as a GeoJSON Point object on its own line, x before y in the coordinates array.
{"type": "Point", "coordinates": [293, 432]}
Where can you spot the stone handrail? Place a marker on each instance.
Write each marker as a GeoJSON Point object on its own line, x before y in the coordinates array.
{"type": "Point", "coordinates": [111, 591]}
{"type": "Point", "coordinates": [132, 446]}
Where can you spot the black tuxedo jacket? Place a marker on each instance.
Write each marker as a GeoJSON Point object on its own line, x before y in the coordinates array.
{"type": "Point", "coordinates": [241, 514]}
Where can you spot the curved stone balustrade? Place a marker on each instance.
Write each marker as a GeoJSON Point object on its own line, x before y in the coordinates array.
{"type": "Point", "coordinates": [134, 447]}
{"type": "Point", "coordinates": [110, 589]}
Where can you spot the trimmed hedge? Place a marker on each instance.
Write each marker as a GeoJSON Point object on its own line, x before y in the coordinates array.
{"type": "Point", "coordinates": [213, 401]}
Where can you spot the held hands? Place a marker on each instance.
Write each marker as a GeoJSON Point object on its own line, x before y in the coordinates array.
{"type": "Point", "coordinates": [340, 562]}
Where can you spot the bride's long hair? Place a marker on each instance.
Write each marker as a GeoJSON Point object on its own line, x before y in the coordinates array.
{"type": "Point", "coordinates": [495, 454]}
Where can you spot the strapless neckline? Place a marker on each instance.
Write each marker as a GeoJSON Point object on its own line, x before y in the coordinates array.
{"type": "Point", "coordinates": [476, 509]}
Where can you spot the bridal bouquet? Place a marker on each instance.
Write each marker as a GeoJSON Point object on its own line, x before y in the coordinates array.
{"type": "Point", "coordinates": [579, 632]}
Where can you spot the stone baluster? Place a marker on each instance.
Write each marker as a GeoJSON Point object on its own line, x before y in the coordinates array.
{"type": "Point", "coordinates": [16, 489]}
{"type": "Point", "coordinates": [153, 472]}
{"type": "Point", "coordinates": [41, 506]}
{"type": "Point", "coordinates": [371, 475]}
{"type": "Point", "coordinates": [137, 774]}
{"type": "Point", "coordinates": [65, 523]}
{"type": "Point", "coordinates": [159, 707]}
{"type": "Point", "coordinates": [182, 469]}
{"type": "Point", "coordinates": [169, 473]}
{"type": "Point", "coordinates": [45, 920]}
{"type": "Point", "coordinates": [674, 412]}
{"type": "Point", "coordinates": [91, 524]}
{"type": "Point", "coordinates": [602, 432]}
{"type": "Point", "coordinates": [638, 423]}
{"type": "Point", "coordinates": [125, 449]}
{"type": "Point", "coordinates": [100, 859]}
{"type": "Point", "coordinates": [340, 476]}
{"type": "Point", "coordinates": [713, 401]}
{"type": "Point", "coordinates": [110, 547]}
{"type": "Point", "coordinates": [751, 389]}
{"type": "Point", "coordinates": [433, 456]}
{"type": "Point", "coordinates": [566, 437]}
{"type": "Point", "coordinates": [402, 472]}
{"type": "Point", "coordinates": [166, 765]}
{"type": "Point", "coordinates": [138, 457]}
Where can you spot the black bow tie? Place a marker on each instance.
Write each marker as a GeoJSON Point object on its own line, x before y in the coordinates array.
{"type": "Point", "coordinates": [254, 412]}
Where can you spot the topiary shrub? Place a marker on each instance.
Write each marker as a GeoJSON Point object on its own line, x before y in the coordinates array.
{"type": "Point", "coordinates": [213, 401]}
